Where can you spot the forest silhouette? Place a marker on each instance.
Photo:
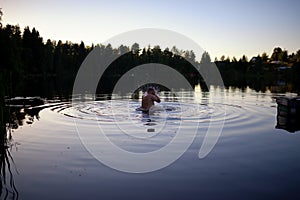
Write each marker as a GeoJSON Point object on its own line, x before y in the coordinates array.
{"type": "Point", "coordinates": [31, 67]}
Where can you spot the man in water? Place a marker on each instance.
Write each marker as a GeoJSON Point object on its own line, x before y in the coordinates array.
{"type": "Point", "coordinates": [148, 100]}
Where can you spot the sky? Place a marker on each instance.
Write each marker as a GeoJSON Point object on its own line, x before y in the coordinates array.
{"type": "Point", "coordinates": [220, 27]}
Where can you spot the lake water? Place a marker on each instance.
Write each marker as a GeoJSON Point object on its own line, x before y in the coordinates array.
{"type": "Point", "coordinates": [252, 159]}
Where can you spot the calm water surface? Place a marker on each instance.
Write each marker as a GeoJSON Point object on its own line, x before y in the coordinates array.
{"type": "Point", "coordinates": [251, 160]}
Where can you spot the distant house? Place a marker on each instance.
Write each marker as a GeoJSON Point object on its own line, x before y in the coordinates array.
{"type": "Point", "coordinates": [277, 62]}
{"type": "Point", "coordinates": [253, 59]}
{"type": "Point", "coordinates": [282, 68]}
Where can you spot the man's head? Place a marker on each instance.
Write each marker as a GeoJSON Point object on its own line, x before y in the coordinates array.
{"type": "Point", "coordinates": [151, 91]}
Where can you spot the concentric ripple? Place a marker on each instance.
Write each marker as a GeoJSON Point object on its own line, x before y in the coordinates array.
{"type": "Point", "coordinates": [138, 132]}
{"type": "Point", "coordinates": [239, 112]}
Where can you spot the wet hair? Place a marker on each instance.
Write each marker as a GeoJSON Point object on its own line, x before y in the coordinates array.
{"type": "Point", "coordinates": [150, 89]}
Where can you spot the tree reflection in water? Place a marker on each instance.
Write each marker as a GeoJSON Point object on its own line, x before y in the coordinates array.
{"type": "Point", "coordinates": [13, 113]}
{"type": "Point", "coordinates": [8, 188]}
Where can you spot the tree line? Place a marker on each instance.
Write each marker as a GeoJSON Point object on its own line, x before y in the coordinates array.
{"type": "Point", "coordinates": [31, 66]}
{"type": "Point", "coordinates": [280, 71]}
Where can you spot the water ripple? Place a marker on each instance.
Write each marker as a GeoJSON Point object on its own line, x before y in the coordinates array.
{"type": "Point", "coordinates": [245, 113]}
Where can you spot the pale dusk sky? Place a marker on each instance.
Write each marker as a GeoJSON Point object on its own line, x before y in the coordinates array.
{"type": "Point", "coordinates": [221, 27]}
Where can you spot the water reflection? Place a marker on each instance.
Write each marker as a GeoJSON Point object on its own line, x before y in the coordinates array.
{"type": "Point", "coordinates": [23, 110]}
{"type": "Point", "coordinates": [288, 113]}
{"type": "Point", "coordinates": [56, 159]}
{"type": "Point", "coordinates": [8, 188]}
{"type": "Point", "coordinates": [15, 112]}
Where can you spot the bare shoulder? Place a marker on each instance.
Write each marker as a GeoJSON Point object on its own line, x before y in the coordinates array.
{"type": "Point", "coordinates": [155, 98]}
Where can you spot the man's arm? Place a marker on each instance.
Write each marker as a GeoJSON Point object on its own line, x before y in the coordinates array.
{"type": "Point", "coordinates": [155, 98]}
